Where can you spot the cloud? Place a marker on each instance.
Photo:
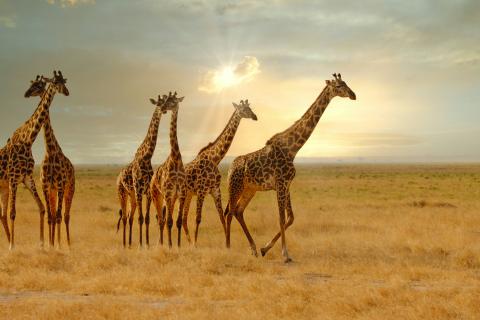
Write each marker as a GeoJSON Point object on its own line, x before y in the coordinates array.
{"type": "Point", "coordinates": [229, 76]}
{"type": "Point", "coordinates": [7, 22]}
{"type": "Point", "coordinates": [70, 3]}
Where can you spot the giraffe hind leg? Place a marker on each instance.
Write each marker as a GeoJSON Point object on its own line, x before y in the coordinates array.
{"type": "Point", "coordinates": [68, 205]}
{"type": "Point", "coordinates": [123, 198]}
{"type": "Point", "coordinates": [186, 207]}
{"type": "Point", "coordinates": [30, 184]}
{"type": "Point", "coordinates": [3, 212]}
{"type": "Point", "coordinates": [243, 202]}
{"type": "Point", "coordinates": [12, 197]}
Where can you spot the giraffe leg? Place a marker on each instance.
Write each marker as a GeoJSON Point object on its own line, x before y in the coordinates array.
{"type": "Point", "coordinates": [140, 216]}
{"type": "Point", "coordinates": [198, 217]}
{"type": "Point", "coordinates": [180, 215]}
{"type": "Point", "coordinates": [170, 206]}
{"type": "Point", "coordinates": [123, 197]}
{"type": "Point", "coordinates": [157, 199]}
{"type": "Point", "coordinates": [48, 200]}
{"type": "Point", "coordinates": [289, 222]}
{"type": "Point", "coordinates": [235, 190]}
{"type": "Point", "coordinates": [244, 200]}
{"type": "Point", "coordinates": [3, 212]}
{"type": "Point", "coordinates": [30, 184]}
{"type": "Point", "coordinates": [133, 207]}
{"type": "Point", "coordinates": [69, 192]}
{"type": "Point", "coordinates": [147, 218]}
{"type": "Point", "coordinates": [53, 207]}
{"type": "Point", "coordinates": [217, 198]}
{"type": "Point", "coordinates": [282, 192]}
{"type": "Point", "coordinates": [12, 198]}
{"type": "Point", "coordinates": [58, 217]}
{"type": "Point", "coordinates": [186, 207]}
{"type": "Point", "coordinates": [227, 228]}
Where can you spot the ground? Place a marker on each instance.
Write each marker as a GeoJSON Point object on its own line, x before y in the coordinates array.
{"type": "Point", "coordinates": [368, 242]}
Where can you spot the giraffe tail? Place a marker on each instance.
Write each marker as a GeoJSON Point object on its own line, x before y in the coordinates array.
{"type": "Point", "coordinates": [119, 219]}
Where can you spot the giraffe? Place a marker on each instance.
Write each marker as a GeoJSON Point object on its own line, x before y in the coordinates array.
{"type": "Point", "coordinates": [272, 168]}
{"type": "Point", "coordinates": [134, 180]}
{"type": "Point", "coordinates": [202, 174]}
{"type": "Point", "coordinates": [16, 159]}
{"type": "Point", "coordinates": [168, 182]}
{"type": "Point", "coordinates": [57, 174]}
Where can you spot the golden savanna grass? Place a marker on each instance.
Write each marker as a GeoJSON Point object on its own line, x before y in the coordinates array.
{"type": "Point", "coordinates": [368, 242]}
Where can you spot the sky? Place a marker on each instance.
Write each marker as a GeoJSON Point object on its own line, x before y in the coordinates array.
{"type": "Point", "coordinates": [414, 66]}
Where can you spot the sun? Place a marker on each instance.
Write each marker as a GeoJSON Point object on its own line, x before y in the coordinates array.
{"type": "Point", "coordinates": [226, 78]}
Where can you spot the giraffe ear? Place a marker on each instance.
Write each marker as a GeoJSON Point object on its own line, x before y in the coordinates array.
{"type": "Point", "coordinates": [235, 105]}
{"type": "Point", "coordinates": [180, 99]}
{"type": "Point", "coordinates": [153, 101]}
{"type": "Point", "coordinates": [328, 82]}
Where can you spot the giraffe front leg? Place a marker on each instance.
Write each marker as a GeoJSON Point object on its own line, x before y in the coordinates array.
{"type": "Point", "coordinates": [133, 207]}
{"type": "Point", "coordinates": [12, 198]}
{"type": "Point", "coordinates": [30, 184]}
{"type": "Point", "coordinates": [228, 224]}
{"type": "Point", "coordinates": [180, 217]}
{"type": "Point", "coordinates": [53, 207]}
{"type": "Point", "coordinates": [290, 218]}
{"type": "Point", "coordinates": [123, 198]}
{"type": "Point", "coordinates": [282, 192]}
{"type": "Point", "coordinates": [170, 206]}
{"type": "Point", "coordinates": [140, 217]}
{"type": "Point", "coordinates": [147, 218]}
{"type": "Point", "coordinates": [47, 198]}
{"type": "Point", "coordinates": [58, 216]}
{"type": "Point", "coordinates": [198, 217]}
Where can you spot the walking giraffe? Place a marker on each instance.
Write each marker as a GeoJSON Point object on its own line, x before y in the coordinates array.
{"type": "Point", "coordinates": [16, 159]}
{"type": "Point", "coordinates": [272, 168]}
{"type": "Point", "coordinates": [202, 174]}
{"type": "Point", "coordinates": [57, 174]}
{"type": "Point", "coordinates": [134, 180]}
{"type": "Point", "coordinates": [168, 182]}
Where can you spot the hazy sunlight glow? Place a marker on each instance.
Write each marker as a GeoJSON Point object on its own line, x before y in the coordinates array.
{"type": "Point", "coordinates": [226, 78]}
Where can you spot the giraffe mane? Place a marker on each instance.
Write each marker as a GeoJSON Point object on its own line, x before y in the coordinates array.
{"type": "Point", "coordinates": [218, 137]}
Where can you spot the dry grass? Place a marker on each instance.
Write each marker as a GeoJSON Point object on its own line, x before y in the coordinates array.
{"type": "Point", "coordinates": [369, 242]}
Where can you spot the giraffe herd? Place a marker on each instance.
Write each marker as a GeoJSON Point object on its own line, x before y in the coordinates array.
{"type": "Point", "coordinates": [270, 168]}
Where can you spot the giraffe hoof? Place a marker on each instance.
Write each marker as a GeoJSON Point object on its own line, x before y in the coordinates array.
{"type": "Point", "coordinates": [288, 260]}
{"type": "Point", "coordinates": [254, 252]}
{"type": "Point", "coordinates": [263, 251]}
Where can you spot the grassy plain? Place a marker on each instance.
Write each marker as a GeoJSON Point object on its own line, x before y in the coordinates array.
{"type": "Point", "coordinates": [368, 242]}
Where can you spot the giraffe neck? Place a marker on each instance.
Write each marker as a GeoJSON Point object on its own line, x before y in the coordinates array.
{"type": "Point", "coordinates": [216, 150]}
{"type": "Point", "coordinates": [295, 136]}
{"type": "Point", "coordinates": [147, 147]}
{"type": "Point", "coordinates": [174, 149]}
{"type": "Point", "coordinates": [29, 131]}
{"type": "Point", "coordinates": [51, 143]}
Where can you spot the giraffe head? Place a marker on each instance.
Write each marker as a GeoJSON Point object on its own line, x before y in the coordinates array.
{"type": "Point", "coordinates": [58, 81]}
{"type": "Point", "coordinates": [339, 88]}
{"type": "Point", "coordinates": [37, 87]}
{"type": "Point", "coordinates": [166, 103]}
{"type": "Point", "coordinates": [243, 109]}
{"type": "Point", "coordinates": [173, 101]}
